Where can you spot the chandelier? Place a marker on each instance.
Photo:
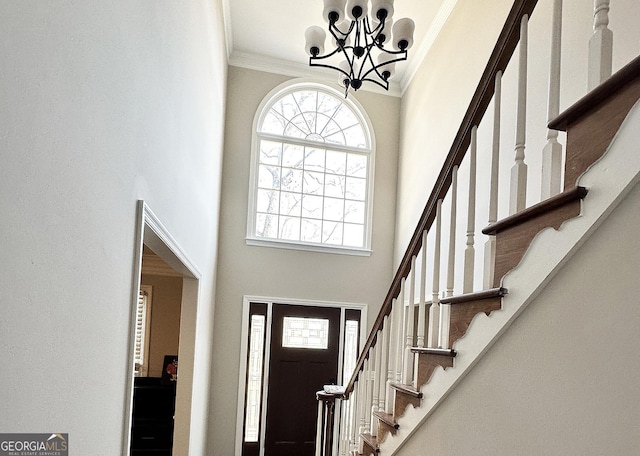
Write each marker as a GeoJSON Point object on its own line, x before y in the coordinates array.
{"type": "Point", "coordinates": [359, 41]}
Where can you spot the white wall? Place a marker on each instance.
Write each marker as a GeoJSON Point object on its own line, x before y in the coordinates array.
{"type": "Point", "coordinates": [563, 378]}
{"type": "Point", "coordinates": [101, 104]}
{"type": "Point", "coordinates": [272, 272]}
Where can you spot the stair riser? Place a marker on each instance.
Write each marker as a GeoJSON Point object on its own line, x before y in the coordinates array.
{"type": "Point", "coordinates": [462, 314]}
{"type": "Point", "coordinates": [402, 401]}
{"type": "Point", "coordinates": [427, 364]}
{"type": "Point", "coordinates": [584, 147]}
{"type": "Point", "coordinates": [512, 243]}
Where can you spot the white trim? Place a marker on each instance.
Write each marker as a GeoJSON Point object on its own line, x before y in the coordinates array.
{"type": "Point", "coordinates": [274, 65]}
{"type": "Point", "coordinates": [166, 245]}
{"type": "Point", "coordinates": [228, 29]}
{"type": "Point", "coordinates": [265, 378]}
{"type": "Point", "coordinates": [360, 113]}
{"type": "Point", "coordinates": [242, 371]}
{"type": "Point", "coordinates": [151, 232]}
{"type": "Point", "coordinates": [299, 245]}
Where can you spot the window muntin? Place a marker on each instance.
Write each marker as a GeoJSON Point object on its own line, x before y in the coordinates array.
{"type": "Point", "coordinates": [312, 172]}
{"type": "Point", "coordinates": [310, 333]}
{"type": "Point", "coordinates": [254, 379]}
{"type": "Point", "coordinates": [314, 115]}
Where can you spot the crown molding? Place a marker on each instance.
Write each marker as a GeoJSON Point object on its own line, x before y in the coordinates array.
{"type": "Point", "coordinates": [300, 70]}
{"type": "Point", "coordinates": [228, 32]}
{"type": "Point", "coordinates": [425, 45]}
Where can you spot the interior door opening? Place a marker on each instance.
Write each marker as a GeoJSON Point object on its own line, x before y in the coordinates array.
{"type": "Point", "coordinates": [292, 351]}
{"type": "Point", "coordinates": [164, 307]}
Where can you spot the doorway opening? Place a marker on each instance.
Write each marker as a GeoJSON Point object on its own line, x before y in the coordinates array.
{"type": "Point", "coordinates": [163, 316]}
{"type": "Point", "coordinates": [290, 350]}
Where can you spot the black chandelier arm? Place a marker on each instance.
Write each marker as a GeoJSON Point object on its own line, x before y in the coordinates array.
{"type": "Point", "coordinates": [376, 68]}
{"type": "Point", "coordinates": [324, 65]}
{"type": "Point", "coordinates": [343, 49]}
{"type": "Point", "coordinates": [384, 84]}
{"type": "Point", "coordinates": [375, 32]}
{"type": "Point", "coordinates": [333, 28]}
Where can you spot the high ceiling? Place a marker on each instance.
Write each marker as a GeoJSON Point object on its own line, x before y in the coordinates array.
{"type": "Point", "coordinates": [269, 35]}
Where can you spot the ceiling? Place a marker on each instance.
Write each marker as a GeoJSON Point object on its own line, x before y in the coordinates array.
{"type": "Point", "coordinates": [269, 35]}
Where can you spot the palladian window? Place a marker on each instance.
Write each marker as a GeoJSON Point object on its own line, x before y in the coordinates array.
{"type": "Point", "coordinates": [311, 172]}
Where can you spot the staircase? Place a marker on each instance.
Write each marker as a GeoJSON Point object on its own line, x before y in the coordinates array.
{"type": "Point", "coordinates": [419, 349]}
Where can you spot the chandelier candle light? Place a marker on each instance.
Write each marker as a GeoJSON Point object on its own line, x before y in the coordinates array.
{"type": "Point", "coordinates": [359, 53]}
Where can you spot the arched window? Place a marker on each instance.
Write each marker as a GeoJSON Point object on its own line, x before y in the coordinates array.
{"type": "Point", "coordinates": [311, 173]}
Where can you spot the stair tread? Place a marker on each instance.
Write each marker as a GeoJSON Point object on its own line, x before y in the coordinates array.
{"type": "Point", "coordinates": [387, 418]}
{"type": "Point", "coordinates": [434, 351]}
{"type": "Point", "coordinates": [371, 441]}
{"type": "Point", "coordinates": [497, 292]}
{"type": "Point", "coordinates": [407, 389]}
{"type": "Point", "coordinates": [597, 96]}
{"type": "Point", "coordinates": [541, 208]}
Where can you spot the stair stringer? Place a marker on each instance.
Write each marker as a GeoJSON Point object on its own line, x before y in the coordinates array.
{"type": "Point", "coordinates": [609, 181]}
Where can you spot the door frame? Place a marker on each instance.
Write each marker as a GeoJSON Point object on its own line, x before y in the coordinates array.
{"type": "Point", "coordinates": [270, 301]}
{"type": "Point", "coordinates": [151, 232]}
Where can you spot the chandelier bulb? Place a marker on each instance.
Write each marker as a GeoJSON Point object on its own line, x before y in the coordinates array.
{"type": "Point", "coordinates": [315, 37]}
{"type": "Point", "coordinates": [381, 9]}
{"type": "Point", "coordinates": [357, 9]}
{"type": "Point", "coordinates": [333, 10]}
{"type": "Point", "coordinates": [403, 33]}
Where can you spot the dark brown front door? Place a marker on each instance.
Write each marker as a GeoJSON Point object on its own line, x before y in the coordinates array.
{"type": "Point", "coordinates": [296, 374]}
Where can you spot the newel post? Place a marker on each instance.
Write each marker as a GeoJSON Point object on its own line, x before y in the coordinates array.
{"type": "Point", "coordinates": [326, 422]}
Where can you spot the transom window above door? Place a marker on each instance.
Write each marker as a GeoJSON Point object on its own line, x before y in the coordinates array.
{"type": "Point", "coordinates": [311, 175]}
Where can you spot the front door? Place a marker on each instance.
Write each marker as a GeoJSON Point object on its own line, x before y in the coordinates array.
{"type": "Point", "coordinates": [303, 358]}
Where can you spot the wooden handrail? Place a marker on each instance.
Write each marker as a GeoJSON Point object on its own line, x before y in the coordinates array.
{"type": "Point", "coordinates": [500, 57]}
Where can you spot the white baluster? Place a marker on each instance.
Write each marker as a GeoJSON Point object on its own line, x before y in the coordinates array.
{"type": "Point", "coordinates": [422, 306]}
{"type": "Point", "coordinates": [434, 310]}
{"type": "Point", "coordinates": [600, 45]}
{"type": "Point", "coordinates": [353, 411]}
{"type": "Point", "coordinates": [407, 373]}
{"type": "Point", "coordinates": [384, 359]}
{"type": "Point", "coordinates": [402, 327]}
{"type": "Point", "coordinates": [360, 407]}
{"type": "Point", "coordinates": [319, 430]}
{"type": "Point", "coordinates": [423, 283]}
{"type": "Point", "coordinates": [391, 363]}
{"type": "Point", "coordinates": [344, 426]}
{"type": "Point", "coordinates": [469, 252]}
{"type": "Point", "coordinates": [552, 152]}
{"type": "Point", "coordinates": [367, 391]}
{"type": "Point", "coordinates": [373, 405]}
{"type": "Point", "coordinates": [518, 200]}
{"type": "Point", "coordinates": [445, 309]}
{"type": "Point", "coordinates": [490, 245]}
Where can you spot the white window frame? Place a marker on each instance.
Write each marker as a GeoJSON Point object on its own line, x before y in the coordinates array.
{"type": "Point", "coordinates": [261, 112]}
